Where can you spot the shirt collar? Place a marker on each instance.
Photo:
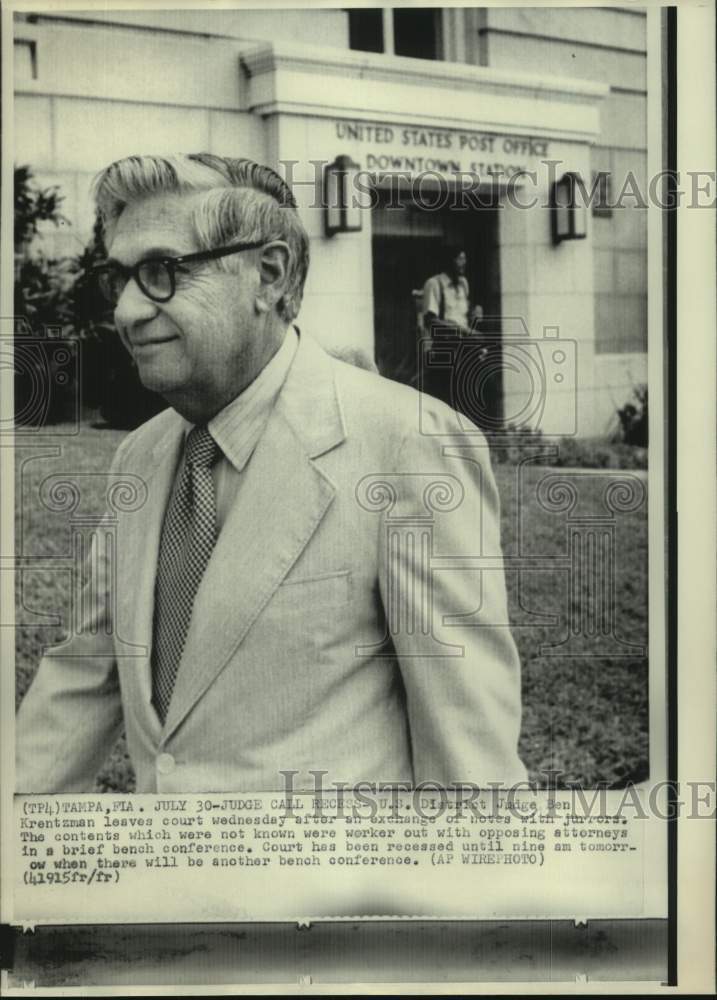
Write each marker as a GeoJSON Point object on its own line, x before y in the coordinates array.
{"type": "Point", "coordinates": [238, 427]}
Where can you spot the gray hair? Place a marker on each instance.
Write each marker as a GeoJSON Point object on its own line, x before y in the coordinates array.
{"type": "Point", "coordinates": [244, 202]}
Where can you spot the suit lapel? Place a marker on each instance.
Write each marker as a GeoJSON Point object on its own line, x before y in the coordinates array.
{"type": "Point", "coordinates": [138, 549]}
{"type": "Point", "coordinates": [281, 501]}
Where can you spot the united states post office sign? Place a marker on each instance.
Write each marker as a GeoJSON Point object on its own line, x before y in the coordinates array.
{"type": "Point", "coordinates": [409, 149]}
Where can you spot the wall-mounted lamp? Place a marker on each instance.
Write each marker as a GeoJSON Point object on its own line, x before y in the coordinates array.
{"type": "Point", "coordinates": [568, 213]}
{"type": "Point", "coordinates": [342, 215]}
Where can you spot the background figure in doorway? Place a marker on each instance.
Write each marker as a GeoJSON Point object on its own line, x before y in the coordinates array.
{"type": "Point", "coordinates": [446, 315]}
{"type": "Point", "coordinates": [446, 297]}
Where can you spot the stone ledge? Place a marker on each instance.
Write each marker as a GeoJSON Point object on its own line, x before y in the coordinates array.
{"type": "Point", "coordinates": [273, 56]}
{"type": "Point", "coordinates": [319, 82]}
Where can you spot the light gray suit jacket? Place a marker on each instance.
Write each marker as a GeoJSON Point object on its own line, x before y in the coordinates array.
{"type": "Point", "coordinates": [339, 625]}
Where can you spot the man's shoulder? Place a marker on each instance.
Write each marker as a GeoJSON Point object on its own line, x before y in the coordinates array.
{"type": "Point", "coordinates": [373, 404]}
{"type": "Point", "coordinates": [394, 429]}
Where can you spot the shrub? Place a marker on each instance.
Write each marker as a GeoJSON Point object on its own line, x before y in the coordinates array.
{"type": "Point", "coordinates": [59, 295]}
{"type": "Point", "coordinates": [567, 452]}
{"type": "Point", "coordinates": [32, 206]}
{"type": "Point", "coordinates": [633, 418]}
{"type": "Point", "coordinates": [40, 301]}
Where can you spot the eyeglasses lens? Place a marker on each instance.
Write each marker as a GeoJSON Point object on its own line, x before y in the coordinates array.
{"type": "Point", "coordinates": [155, 279]}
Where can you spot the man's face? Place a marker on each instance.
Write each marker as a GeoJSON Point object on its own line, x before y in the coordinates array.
{"type": "Point", "coordinates": [194, 349]}
{"type": "Point", "coordinates": [459, 263]}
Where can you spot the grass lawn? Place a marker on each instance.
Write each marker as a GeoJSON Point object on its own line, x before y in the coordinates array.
{"type": "Point", "coordinates": [585, 716]}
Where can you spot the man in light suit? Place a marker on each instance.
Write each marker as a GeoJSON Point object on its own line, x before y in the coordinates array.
{"type": "Point", "coordinates": [302, 589]}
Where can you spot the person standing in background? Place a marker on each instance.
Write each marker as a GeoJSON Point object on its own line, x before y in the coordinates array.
{"type": "Point", "coordinates": [446, 297]}
{"type": "Point", "coordinates": [447, 315]}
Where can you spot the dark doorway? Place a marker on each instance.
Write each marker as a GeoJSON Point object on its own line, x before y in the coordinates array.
{"type": "Point", "coordinates": [407, 246]}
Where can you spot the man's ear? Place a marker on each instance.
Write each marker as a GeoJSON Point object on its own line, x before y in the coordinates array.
{"type": "Point", "coordinates": [273, 266]}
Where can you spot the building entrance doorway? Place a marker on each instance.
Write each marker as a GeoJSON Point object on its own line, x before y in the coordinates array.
{"type": "Point", "coordinates": [408, 247]}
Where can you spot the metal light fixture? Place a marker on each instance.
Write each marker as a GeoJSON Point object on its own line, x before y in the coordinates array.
{"type": "Point", "coordinates": [342, 215]}
{"type": "Point", "coordinates": [568, 213]}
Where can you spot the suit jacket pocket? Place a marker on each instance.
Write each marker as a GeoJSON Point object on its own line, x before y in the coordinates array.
{"type": "Point", "coordinates": [304, 624]}
{"type": "Point", "coordinates": [315, 593]}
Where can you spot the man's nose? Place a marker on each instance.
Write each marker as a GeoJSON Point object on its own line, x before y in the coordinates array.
{"type": "Point", "coordinates": [133, 306]}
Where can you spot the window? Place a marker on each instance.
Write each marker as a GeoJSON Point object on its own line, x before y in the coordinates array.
{"type": "Point", "coordinates": [366, 29]}
{"type": "Point", "coordinates": [415, 32]}
{"type": "Point", "coordinates": [405, 31]}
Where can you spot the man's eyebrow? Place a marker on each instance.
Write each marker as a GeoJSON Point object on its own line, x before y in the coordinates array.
{"type": "Point", "coordinates": [160, 251]}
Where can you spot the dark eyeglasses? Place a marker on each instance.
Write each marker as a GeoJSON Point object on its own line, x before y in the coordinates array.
{"type": "Point", "coordinates": [155, 276]}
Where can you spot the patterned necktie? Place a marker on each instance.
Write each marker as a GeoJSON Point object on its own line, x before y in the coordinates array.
{"type": "Point", "coordinates": [188, 537]}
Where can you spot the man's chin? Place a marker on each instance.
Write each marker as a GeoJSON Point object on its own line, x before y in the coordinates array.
{"type": "Point", "coordinates": [161, 382]}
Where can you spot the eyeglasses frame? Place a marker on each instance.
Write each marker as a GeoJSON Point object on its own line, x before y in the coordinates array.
{"type": "Point", "coordinates": [172, 264]}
